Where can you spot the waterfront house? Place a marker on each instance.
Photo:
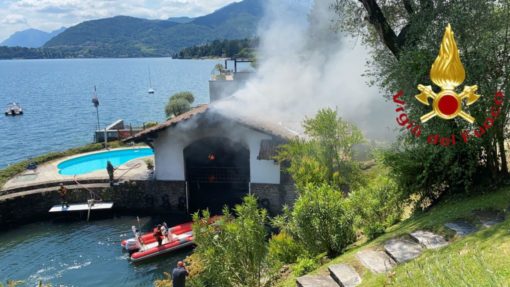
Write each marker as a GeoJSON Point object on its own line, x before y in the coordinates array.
{"type": "Point", "coordinates": [212, 158]}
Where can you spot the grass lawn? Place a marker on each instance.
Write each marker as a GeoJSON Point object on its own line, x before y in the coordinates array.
{"type": "Point", "coordinates": [481, 259]}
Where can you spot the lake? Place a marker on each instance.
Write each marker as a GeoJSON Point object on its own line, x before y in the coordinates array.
{"type": "Point", "coordinates": [56, 98]}
{"type": "Point", "coordinates": [80, 254]}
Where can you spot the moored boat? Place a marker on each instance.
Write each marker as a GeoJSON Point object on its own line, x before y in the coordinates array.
{"type": "Point", "coordinates": [145, 246]}
{"type": "Point", "coordinates": [13, 109]}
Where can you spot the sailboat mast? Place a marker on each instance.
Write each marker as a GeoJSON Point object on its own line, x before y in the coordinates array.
{"type": "Point", "coordinates": [150, 82]}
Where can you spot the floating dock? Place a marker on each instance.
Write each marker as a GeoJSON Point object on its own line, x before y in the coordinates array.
{"type": "Point", "coordinates": [82, 207]}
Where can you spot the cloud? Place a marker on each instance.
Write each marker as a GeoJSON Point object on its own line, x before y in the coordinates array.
{"type": "Point", "coordinates": [13, 19]}
{"type": "Point", "coordinates": [49, 15]}
{"type": "Point", "coordinates": [54, 10]}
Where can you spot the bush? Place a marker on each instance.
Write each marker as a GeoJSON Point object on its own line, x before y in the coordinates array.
{"type": "Point", "coordinates": [150, 163]}
{"type": "Point", "coordinates": [377, 206]}
{"type": "Point", "coordinates": [234, 250]}
{"type": "Point", "coordinates": [322, 220]}
{"type": "Point", "coordinates": [429, 172]}
{"type": "Point", "coordinates": [147, 125]}
{"type": "Point", "coordinates": [283, 248]}
{"type": "Point", "coordinates": [325, 157]}
{"type": "Point", "coordinates": [304, 266]}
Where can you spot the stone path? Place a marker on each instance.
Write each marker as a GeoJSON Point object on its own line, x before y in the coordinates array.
{"type": "Point", "coordinates": [489, 218]}
{"type": "Point", "coordinates": [396, 251]}
{"type": "Point", "coordinates": [344, 275]}
{"type": "Point", "coordinates": [375, 261]}
{"type": "Point", "coordinates": [402, 250]}
{"type": "Point", "coordinates": [316, 281]}
{"type": "Point", "coordinates": [461, 227]}
{"type": "Point", "coordinates": [429, 239]}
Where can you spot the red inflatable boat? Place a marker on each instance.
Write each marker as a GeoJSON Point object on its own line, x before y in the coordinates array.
{"type": "Point", "coordinates": [146, 246]}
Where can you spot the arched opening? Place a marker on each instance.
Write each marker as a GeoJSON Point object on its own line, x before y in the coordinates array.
{"type": "Point", "coordinates": [217, 172]}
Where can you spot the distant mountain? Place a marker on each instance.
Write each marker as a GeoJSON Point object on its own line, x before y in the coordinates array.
{"type": "Point", "coordinates": [124, 36]}
{"type": "Point", "coordinates": [181, 20]}
{"type": "Point", "coordinates": [30, 38]}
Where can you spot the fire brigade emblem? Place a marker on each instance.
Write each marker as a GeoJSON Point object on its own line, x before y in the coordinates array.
{"type": "Point", "coordinates": [448, 73]}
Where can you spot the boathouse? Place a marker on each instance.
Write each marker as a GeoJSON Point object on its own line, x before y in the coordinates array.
{"type": "Point", "coordinates": [207, 158]}
{"type": "Point", "coordinates": [210, 159]}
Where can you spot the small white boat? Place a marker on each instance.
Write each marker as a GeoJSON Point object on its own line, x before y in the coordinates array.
{"type": "Point", "coordinates": [13, 109]}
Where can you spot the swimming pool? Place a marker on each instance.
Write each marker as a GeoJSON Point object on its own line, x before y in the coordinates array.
{"type": "Point", "coordinates": [97, 161]}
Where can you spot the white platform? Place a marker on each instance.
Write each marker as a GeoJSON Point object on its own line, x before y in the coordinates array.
{"type": "Point", "coordinates": [82, 207]}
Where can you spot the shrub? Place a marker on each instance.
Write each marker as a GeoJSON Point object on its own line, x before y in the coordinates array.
{"type": "Point", "coordinates": [147, 125]}
{"type": "Point", "coordinates": [325, 157]}
{"type": "Point", "coordinates": [377, 206]}
{"type": "Point", "coordinates": [234, 250]}
{"type": "Point", "coordinates": [283, 248]}
{"type": "Point", "coordinates": [304, 266]}
{"type": "Point", "coordinates": [150, 163]}
{"type": "Point", "coordinates": [322, 220]}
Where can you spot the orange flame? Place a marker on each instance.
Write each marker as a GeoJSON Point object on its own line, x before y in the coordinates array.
{"type": "Point", "coordinates": [447, 71]}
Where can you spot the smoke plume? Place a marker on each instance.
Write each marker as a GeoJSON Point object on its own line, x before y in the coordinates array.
{"type": "Point", "coordinates": [305, 65]}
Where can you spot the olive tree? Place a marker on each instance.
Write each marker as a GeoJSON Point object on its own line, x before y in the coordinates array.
{"type": "Point", "coordinates": [404, 36]}
{"type": "Point", "coordinates": [179, 103]}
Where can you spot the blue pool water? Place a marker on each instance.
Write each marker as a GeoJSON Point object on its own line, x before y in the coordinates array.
{"type": "Point", "coordinates": [97, 161]}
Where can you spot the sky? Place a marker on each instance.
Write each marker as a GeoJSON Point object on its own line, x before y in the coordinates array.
{"type": "Point", "coordinates": [49, 15]}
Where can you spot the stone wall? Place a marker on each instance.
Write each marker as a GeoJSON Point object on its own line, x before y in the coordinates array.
{"type": "Point", "coordinates": [142, 197]}
{"type": "Point", "coordinates": [153, 197]}
{"type": "Point", "coordinates": [274, 196]}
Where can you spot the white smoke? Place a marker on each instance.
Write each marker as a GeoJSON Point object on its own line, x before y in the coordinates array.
{"type": "Point", "coordinates": [304, 65]}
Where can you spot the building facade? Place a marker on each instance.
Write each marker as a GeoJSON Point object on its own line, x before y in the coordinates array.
{"type": "Point", "coordinates": [213, 160]}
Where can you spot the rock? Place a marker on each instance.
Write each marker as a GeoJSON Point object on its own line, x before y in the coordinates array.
{"type": "Point", "coordinates": [461, 227]}
{"type": "Point", "coordinates": [402, 250]}
{"type": "Point", "coordinates": [316, 281]}
{"type": "Point", "coordinates": [344, 275]}
{"type": "Point", "coordinates": [489, 218]}
{"type": "Point", "coordinates": [428, 239]}
{"type": "Point", "coordinates": [376, 261]}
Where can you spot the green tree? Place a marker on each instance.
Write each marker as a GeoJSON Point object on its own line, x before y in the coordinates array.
{"type": "Point", "coordinates": [401, 61]}
{"type": "Point", "coordinates": [233, 251]}
{"type": "Point", "coordinates": [179, 103]}
{"type": "Point", "coordinates": [325, 157]}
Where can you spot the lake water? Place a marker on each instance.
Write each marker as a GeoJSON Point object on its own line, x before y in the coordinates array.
{"type": "Point", "coordinates": [79, 254]}
{"type": "Point", "coordinates": [56, 98]}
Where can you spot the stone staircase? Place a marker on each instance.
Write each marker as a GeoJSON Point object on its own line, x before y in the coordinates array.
{"type": "Point", "coordinates": [395, 251]}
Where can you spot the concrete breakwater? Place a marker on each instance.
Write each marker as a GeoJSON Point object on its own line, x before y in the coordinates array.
{"type": "Point", "coordinates": [153, 197]}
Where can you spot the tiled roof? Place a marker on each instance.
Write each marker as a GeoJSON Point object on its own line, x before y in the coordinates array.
{"type": "Point", "coordinates": [256, 124]}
